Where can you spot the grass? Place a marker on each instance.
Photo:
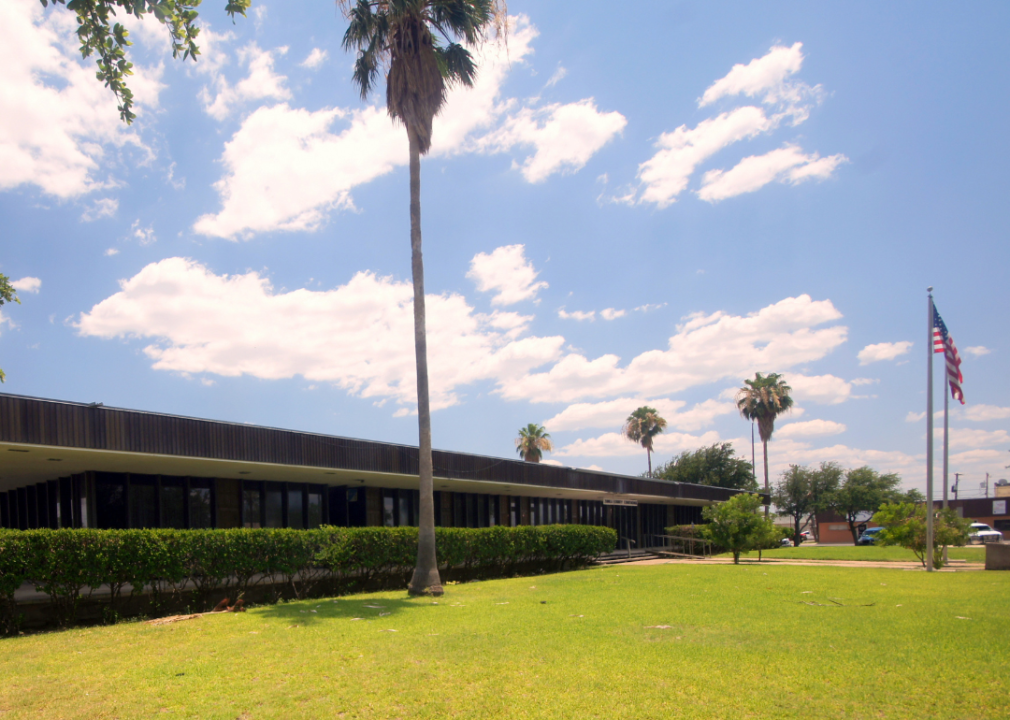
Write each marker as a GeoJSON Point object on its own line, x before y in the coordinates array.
{"type": "Point", "coordinates": [741, 642]}
{"type": "Point", "coordinates": [861, 552]}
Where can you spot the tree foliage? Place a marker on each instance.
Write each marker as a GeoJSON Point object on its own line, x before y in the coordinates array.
{"type": "Point", "coordinates": [737, 526]}
{"type": "Point", "coordinates": [7, 295]}
{"type": "Point", "coordinates": [863, 491]}
{"type": "Point", "coordinates": [641, 427]}
{"type": "Point", "coordinates": [802, 491]}
{"type": "Point", "coordinates": [715, 465]}
{"type": "Point", "coordinates": [905, 525]}
{"type": "Point", "coordinates": [101, 36]}
{"type": "Point", "coordinates": [761, 400]}
{"type": "Point", "coordinates": [533, 442]}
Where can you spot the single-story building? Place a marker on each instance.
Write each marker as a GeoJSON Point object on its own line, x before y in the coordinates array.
{"type": "Point", "coordinates": [68, 464]}
{"type": "Point", "coordinates": [991, 511]}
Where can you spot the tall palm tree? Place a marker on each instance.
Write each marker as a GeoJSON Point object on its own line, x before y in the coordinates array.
{"type": "Point", "coordinates": [416, 43]}
{"type": "Point", "coordinates": [641, 427]}
{"type": "Point", "coordinates": [533, 440]}
{"type": "Point", "coordinates": [763, 399]}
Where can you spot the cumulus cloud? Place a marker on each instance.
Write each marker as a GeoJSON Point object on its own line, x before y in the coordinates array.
{"type": "Point", "coordinates": [557, 77]}
{"type": "Point", "coordinates": [27, 285]}
{"type": "Point", "coordinates": [144, 235]}
{"type": "Point", "coordinates": [977, 350]}
{"type": "Point", "coordinates": [261, 83]}
{"type": "Point", "coordinates": [506, 272]}
{"type": "Point", "coordinates": [786, 165]}
{"type": "Point", "coordinates": [613, 413]}
{"type": "Point", "coordinates": [883, 351]}
{"type": "Point", "coordinates": [984, 413]}
{"type": "Point", "coordinates": [823, 389]}
{"type": "Point", "coordinates": [101, 208]}
{"type": "Point", "coordinates": [914, 416]}
{"type": "Point", "coordinates": [358, 336]}
{"type": "Point", "coordinates": [809, 428]}
{"type": "Point", "coordinates": [287, 168]}
{"type": "Point", "coordinates": [612, 314]}
{"type": "Point", "coordinates": [315, 58]}
{"type": "Point", "coordinates": [580, 315]}
{"type": "Point", "coordinates": [57, 120]}
{"type": "Point", "coordinates": [972, 438]}
{"type": "Point", "coordinates": [705, 349]}
{"type": "Point", "coordinates": [615, 444]}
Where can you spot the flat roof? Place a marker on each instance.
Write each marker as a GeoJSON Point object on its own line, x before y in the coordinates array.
{"type": "Point", "coordinates": [43, 439]}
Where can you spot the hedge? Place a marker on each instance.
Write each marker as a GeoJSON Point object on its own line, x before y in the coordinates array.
{"type": "Point", "coordinates": [68, 565]}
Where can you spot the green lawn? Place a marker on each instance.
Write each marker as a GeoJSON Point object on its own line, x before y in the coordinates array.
{"type": "Point", "coordinates": [742, 642]}
{"type": "Point", "coordinates": [861, 552]}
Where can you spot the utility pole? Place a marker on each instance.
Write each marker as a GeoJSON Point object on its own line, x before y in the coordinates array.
{"type": "Point", "coordinates": [957, 481]}
{"type": "Point", "coordinates": [987, 486]}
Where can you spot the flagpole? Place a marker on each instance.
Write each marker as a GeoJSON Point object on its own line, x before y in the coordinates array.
{"type": "Point", "coordinates": [929, 433]}
{"type": "Point", "coordinates": [946, 398]}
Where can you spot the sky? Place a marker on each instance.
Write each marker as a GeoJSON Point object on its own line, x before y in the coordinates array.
{"type": "Point", "coordinates": [626, 209]}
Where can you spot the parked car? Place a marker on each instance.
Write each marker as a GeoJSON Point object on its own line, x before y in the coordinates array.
{"type": "Point", "coordinates": [806, 536]}
{"type": "Point", "coordinates": [869, 536]}
{"type": "Point", "coordinates": [982, 533]}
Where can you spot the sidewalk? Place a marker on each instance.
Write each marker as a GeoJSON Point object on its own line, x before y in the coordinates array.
{"type": "Point", "coordinates": [894, 565]}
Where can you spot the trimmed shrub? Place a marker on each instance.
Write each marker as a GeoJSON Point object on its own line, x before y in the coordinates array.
{"type": "Point", "coordinates": [66, 563]}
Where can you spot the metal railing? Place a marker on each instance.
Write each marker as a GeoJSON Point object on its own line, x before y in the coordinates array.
{"type": "Point", "coordinates": [676, 545]}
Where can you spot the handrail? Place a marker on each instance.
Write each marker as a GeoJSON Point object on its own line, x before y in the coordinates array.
{"type": "Point", "coordinates": [630, 542]}
{"type": "Point", "coordinates": [706, 544]}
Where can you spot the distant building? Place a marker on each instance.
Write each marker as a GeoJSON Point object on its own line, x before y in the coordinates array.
{"type": "Point", "coordinates": [77, 465]}
{"type": "Point", "coordinates": [991, 511]}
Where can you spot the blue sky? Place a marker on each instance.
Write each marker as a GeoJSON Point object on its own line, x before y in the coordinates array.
{"type": "Point", "coordinates": [629, 208]}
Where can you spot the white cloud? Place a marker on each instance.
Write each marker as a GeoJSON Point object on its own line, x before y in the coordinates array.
{"type": "Point", "coordinates": [972, 438]}
{"type": "Point", "coordinates": [612, 314]}
{"type": "Point", "coordinates": [977, 350]}
{"type": "Point", "coordinates": [288, 168]}
{"type": "Point", "coordinates": [914, 416]}
{"type": "Point", "coordinates": [579, 315]}
{"type": "Point", "coordinates": [564, 136]}
{"type": "Point", "coordinates": [983, 413]}
{"type": "Point", "coordinates": [705, 349]}
{"type": "Point", "coordinates": [665, 175]}
{"type": "Point", "coordinates": [787, 165]}
{"type": "Point", "coordinates": [110, 252]}
{"type": "Point", "coordinates": [27, 284]}
{"type": "Point", "coordinates": [508, 273]}
{"type": "Point", "coordinates": [144, 235]}
{"type": "Point", "coordinates": [103, 207]}
{"type": "Point", "coordinates": [883, 351]}
{"type": "Point", "coordinates": [649, 308]}
{"type": "Point", "coordinates": [613, 413]}
{"type": "Point", "coordinates": [557, 77]}
{"type": "Point", "coordinates": [809, 428]}
{"type": "Point", "coordinates": [260, 84]}
{"type": "Point", "coordinates": [823, 389]}
{"type": "Point", "coordinates": [315, 58]}
{"type": "Point", "coordinates": [865, 381]}
{"type": "Point", "coordinates": [57, 120]}
{"type": "Point", "coordinates": [358, 336]}
{"type": "Point", "coordinates": [616, 444]}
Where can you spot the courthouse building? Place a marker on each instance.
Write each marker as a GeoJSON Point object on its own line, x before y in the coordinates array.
{"type": "Point", "coordinates": [67, 464]}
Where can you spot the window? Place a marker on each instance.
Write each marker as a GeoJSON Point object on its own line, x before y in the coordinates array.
{"type": "Point", "coordinates": [315, 507]}
{"type": "Point", "coordinates": [404, 498]}
{"type": "Point", "coordinates": [274, 508]}
{"type": "Point", "coordinates": [388, 508]}
{"type": "Point", "coordinates": [199, 508]}
{"type": "Point", "coordinates": [110, 500]}
{"type": "Point", "coordinates": [143, 505]}
{"type": "Point", "coordinates": [173, 510]}
{"type": "Point", "coordinates": [251, 508]}
{"type": "Point", "coordinates": [295, 508]}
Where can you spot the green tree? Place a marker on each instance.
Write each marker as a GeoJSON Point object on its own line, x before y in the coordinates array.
{"type": "Point", "coordinates": [736, 524]}
{"type": "Point", "coordinates": [863, 491]}
{"type": "Point", "coordinates": [7, 295]}
{"type": "Point", "coordinates": [641, 427]}
{"type": "Point", "coordinates": [905, 525]}
{"type": "Point", "coordinates": [762, 400]}
{"type": "Point", "coordinates": [532, 442]}
{"type": "Point", "coordinates": [107, 40]}
{"type": "Point", "coordinates": [417, 43]}
{"type": "Point", "coordinates": [801, 492]}
{"type": "Point", "coordinates": [713, 465]}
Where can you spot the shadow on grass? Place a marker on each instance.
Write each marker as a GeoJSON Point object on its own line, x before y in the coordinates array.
{"type": "Point", "coordinates": [311, 612]}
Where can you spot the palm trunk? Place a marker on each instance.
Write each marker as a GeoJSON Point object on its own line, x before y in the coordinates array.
{"type": "Point", "coordinates": [425, 580]}
{"type": "Point", "coordinates": [765, 444]}
{"type": "Point", "coordinates": [648, 454]}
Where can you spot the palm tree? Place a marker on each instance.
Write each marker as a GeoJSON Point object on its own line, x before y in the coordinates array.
{"type": "Point", "coordinates": [415, 43]}
{"type": "Point", "coordinates": [533, 440]}
{"type": "Point", "coordinates": [641, 427]}
{"type": "Point", "coordinates": [763, 399]}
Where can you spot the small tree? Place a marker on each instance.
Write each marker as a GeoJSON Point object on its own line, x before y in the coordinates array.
{"type": "Point", "coordinates": [736, 524]}
{"type": "Point", "coordinates": [864, 490]}
{"type": "Point", "coordinates": [7, 295]}
{"type": "Point", "coordinates": [713, 465]}
{"type": "Point", "coordinates": [905, 525]}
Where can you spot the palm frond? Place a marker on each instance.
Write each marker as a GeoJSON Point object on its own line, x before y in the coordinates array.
{"type": "Point", "coordinates": [456, 64]}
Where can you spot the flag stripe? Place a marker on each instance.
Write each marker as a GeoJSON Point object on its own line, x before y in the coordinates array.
{"type": "Point", "coordinates": [944, 343]}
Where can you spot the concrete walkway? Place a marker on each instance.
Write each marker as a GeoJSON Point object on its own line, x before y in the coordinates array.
{"type": "Point", "coordinates": [899, 565]}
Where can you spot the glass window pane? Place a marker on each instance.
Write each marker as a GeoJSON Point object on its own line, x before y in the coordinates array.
{"type": "Point", "coordinates": [387, 511]}
{"type": "Point", "coordinates": [404, 508]}
{"type": "Point", "coordinates": [315, 509]}
{"type": "Point", "coordinates": [143, 506]}
{"type": "Point", "coordinates": [251, 508]}
{"type": "Point", "coordinates": [275, 509]}
{"type": "Point", "coordinates": [110, 503]}
{"type": "Point", "coordinates": [173, 499]}
{"type": "Point", "coordinates": [199, 508]}
{"type": "Point", "coordinates": [295, 508]}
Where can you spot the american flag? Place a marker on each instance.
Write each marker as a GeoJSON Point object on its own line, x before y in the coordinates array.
{"type": "Point", "coordinates": [944, 343]}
